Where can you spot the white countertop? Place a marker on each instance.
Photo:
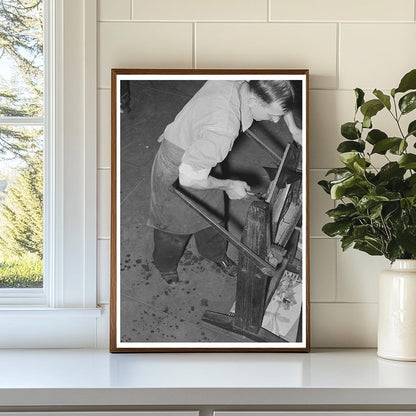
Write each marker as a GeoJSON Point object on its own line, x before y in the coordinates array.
{"type": "Point", "coordinates": [96, 377]}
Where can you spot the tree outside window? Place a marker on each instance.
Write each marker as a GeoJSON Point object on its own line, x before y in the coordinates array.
{"type": "Point", "coordinates": [21, 143]}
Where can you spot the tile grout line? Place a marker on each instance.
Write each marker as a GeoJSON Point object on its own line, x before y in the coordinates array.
{"type": "Point", "coordinates": [336, 272]}
{"type": "Point", "coordinates": [369, 89]}
{"type": "Point", "coordinates": [194, 62]}
{"type": "Point", "coordinates": [131, 9]}
{"type": "Point", "coordinates": [352, 302]}
{"type": "Point", "coordinates": [323, 237]}
{"type": "Point", "coordinates": [269, 10]}
{"type": "Point", "coordinates": [338, 63]}
{"type": "Point", "coordinates": [254, 21]}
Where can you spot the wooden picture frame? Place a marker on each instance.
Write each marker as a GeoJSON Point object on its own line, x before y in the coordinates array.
{"type": "Point", "coordinates": [266, 306]}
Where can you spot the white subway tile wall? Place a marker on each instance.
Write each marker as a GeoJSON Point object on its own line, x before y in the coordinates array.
{"type": "Point", "coordinates": [355, 10]}
{"type": "Point", "coordinates": [357, 275]}
{"type": "Point", "coordinates": [328, 109]}
{"type": "Point", "coordinates": [376, 55]}
{"type": "Point", "coordinates": [270, 45]}
{"type": "Point", "coordinates": [343, 325]}
{"type": "Point", "coordinates": [319, 203]}
{"type": "Point", "coordinates": [104, 128]}
{"type": "Point", "coordinates": [144, 45]}
{"type": "Point", "coordinates": [104, 202]}
{"type": "Point", "coordinates": [323, 269]}
{"type": "Point", "coordinates": [103, 271]}
{"type": "Point", "coordinates": [114, 10]}
{"type": "Point", "coordinates": [200, 10]}
{"type": "Point", "coordinates": [345, 44]}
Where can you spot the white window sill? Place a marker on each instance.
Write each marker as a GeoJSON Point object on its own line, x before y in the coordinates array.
{"type": "Point", "coordinates": [331, 379]}
{"type": "Point", "coordinates": [40, 327]}
{"type": "Point", "coordinates": [36, 312]}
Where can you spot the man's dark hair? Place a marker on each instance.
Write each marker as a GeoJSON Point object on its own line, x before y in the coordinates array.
{"type": "Point", "coordinates": [274, 91]}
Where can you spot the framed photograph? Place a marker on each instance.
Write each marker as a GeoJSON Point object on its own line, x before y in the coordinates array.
{"type": "Point", "coordinates": [209, 211]}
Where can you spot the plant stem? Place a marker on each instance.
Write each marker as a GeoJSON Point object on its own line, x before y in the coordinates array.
{"type": "Point", "coordinates": [397, 118]}
{"type": "Point", "coordinates": [388, 234]}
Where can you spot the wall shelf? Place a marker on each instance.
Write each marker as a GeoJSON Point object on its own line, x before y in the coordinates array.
{"type": "Point", "coordinates": [95, 379]}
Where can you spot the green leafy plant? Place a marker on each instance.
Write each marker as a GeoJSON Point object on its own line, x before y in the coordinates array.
{"type": "Point", "coordinates": [376, 212]}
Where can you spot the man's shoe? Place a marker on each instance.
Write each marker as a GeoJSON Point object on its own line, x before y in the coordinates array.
{"type": "Point", "coordinates": [171, 277]}
{"type": "Point", "coordinates": [227, 266]}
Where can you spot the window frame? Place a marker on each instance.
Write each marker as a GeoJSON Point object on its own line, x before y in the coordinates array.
{"type": "Point", "coordinates": [38, 296]}
{"type": "Point", "coordinates": [67, 303]}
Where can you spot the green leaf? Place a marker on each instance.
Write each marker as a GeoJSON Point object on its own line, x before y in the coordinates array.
{"type": "Point", "coordinates": [413, 213]}
{"type": "Point", "coordinates": [348, 158]}
{"type": "Point", "coordinates": [359, 165]}
{"type": "Point", "coordinates": [359, 95]}
{"type": "Point", "coordinates": [349, 131]}
{"type": "Point", "coordinates": [342, 211]}
{"type": "Point", "coordinates": [385, 99]}
{"type": "Point", "coordinates": [391, 212]}
{"type": "Point", "coordinates": [361, 231]}
{"type": "Point", "coordinates": [398, 149]}
{"type": "Point", "coordinates": [408, 161]}
{"type": "Point", "coordinates": [411, 130]}
{"type": "Point", "coordinates": [391, 170]}
{"type": "Point", "coordinates": [374, 242]}
{"type": "Point", "coordinates": [349, 146]}
{"type": "Point", "coordinates": [371, 108]}
{"type": "Point", "coordinates": [411, 180]}
{"type": "Point", "coordinates": [346, 242]}
{"type": "Point", "coordinates": [342, 179]}
{"type": "Point", "coordinates": [375, 211]}
{"type": "Point", "coordinates": [325, 186]}
{"type": "Point", "coordinates": [336, 228]}
{"type": "Point", "coordinates": [393, 250]}
{"type": "Point", "coordinates": [411, 185]}
{"type": "Point", "coordinates": [368, 201]}
{"type": "Point", "coordinates": [338, 171]}
{"type": "Point", "coordinates": [392, 196]}
{"type": "Point", "coordinates": [407, 240]}
{"type": "Point", "coordinates": [368, 248]}
{"type": "Point", "coordinates": [412, 201]}
{"type": "Point", "coordinates": [383, 145]}
{"type": "Point", "coordinates": [374, 136]}
{"type": "Point", "coordinates": [408, 82]}
{"type": "Point", "coordinates": [367, 122]}
{"type": "Point", "coordinates": [352, 186]}
{"type": "Point", "coordinates": [408, 102]}
{"type": "Point", "coordinates": [402, 147]}
{"type": "Point", "coordinates": [338, 189]}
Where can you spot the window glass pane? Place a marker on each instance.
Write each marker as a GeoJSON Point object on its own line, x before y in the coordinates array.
{"type": "Point", "coordinates": [21, 58]}
{"type": "Point", "coordinates": [21, 207]}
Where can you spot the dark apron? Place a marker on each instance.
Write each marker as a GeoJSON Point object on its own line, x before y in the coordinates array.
{"type": "Point", "coordinates": [167, 211]}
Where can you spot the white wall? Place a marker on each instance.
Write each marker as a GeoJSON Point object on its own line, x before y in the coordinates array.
{"type": "Point", "coordinates": [345, 44]}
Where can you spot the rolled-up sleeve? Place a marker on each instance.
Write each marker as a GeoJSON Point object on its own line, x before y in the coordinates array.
{"type": "Point", "coordinates": [210, 149]}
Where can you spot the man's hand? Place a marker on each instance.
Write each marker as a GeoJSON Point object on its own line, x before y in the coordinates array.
{"type": "Point", "coordinates": [297, 135]}
{"type": "Point", "coordinates": [293, 128]}
{"type": "Point", "coordinates": [237, 189]}
{"type": "Point", "coordinates": [200, 179]}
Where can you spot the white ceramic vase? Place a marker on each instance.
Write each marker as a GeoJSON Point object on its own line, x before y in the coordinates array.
{"type": "Point", "coordinates": [397, 312]}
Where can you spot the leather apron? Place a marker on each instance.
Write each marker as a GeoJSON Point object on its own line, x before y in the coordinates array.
{"type": "Point", "coordinates": [167, 211]}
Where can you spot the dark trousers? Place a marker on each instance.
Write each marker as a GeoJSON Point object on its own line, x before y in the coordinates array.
{"type": "Point", "coordinates": [169, 247]}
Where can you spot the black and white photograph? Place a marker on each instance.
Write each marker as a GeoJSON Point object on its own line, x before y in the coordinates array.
{"type": "Point", "coordinates": [209, 233]}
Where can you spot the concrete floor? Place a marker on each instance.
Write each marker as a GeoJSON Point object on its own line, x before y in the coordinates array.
{"type": "Point", "coordinates": [152, 310]}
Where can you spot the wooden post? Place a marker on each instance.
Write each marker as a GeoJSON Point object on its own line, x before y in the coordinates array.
{"type": "Point", "coordinates": [252, 284]}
